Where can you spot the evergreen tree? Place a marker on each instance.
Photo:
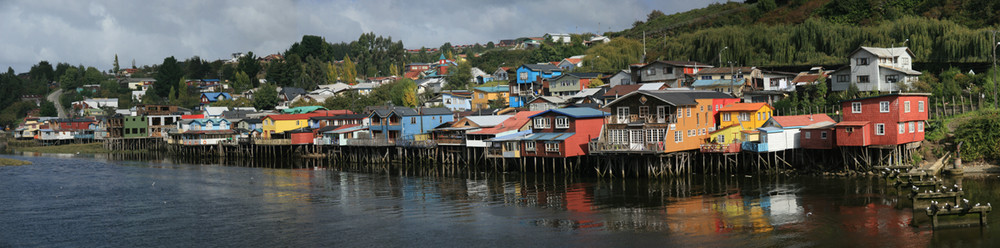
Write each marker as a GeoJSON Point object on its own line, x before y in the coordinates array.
{"type": "Point", "coordinates": [166, 75]}
{"type": "Point", "coordinates": [115, 70]}
{"type": "Point", "coordinates": [266, 97]}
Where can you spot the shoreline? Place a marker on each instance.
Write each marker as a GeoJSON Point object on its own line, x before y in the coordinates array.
{"type": "Point", "coordinates": [13, 162]}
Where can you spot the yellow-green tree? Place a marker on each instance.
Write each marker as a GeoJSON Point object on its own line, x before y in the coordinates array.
{"type": "Point", "coordinates": [594, 83]}
{"type": "Point", "coordinates": [350, 73]}
{"type": "Point", "coordinates": [612, 56]}
{"type": "Point", "coordinates": [331, 73]}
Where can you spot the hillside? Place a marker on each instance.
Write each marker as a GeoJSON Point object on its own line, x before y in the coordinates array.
{"type": "Point", "coordinates": [777, 33]}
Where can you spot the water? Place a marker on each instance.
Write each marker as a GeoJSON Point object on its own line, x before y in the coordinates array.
{"type": "Point", "coordinates": [72, 201]}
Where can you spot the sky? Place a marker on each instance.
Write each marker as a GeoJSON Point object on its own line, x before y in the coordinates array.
{"type": "Point", "coordinates": [91, 33]}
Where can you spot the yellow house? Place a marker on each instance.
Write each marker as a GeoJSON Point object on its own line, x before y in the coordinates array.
{"type": "Point", "coordinates": [481, 96]}
{"type": "Point", "coordinates": [276, 124]}
{"type": "Point", "coordinates": [748, 116]}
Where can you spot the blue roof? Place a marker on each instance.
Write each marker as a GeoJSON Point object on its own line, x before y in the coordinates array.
{"type": "Point", "coordinates": [214, 96]}
{"type": "Point", "coordinates": [547, 136]}
{"type": "Point", "coordinates": [717, 82]}
{"type": "Point", "coordinates": [770, 129]}
{"type": "Point", "coordinates": [578, 112]}
{"type": "Point", "coordinates": [210, 80]}
{"type": "Point", "coordinates": [511, 137]}
{"type": "Point", "coordinates": [498, 88]}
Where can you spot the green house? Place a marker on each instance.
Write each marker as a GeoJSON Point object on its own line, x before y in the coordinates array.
{"type": "Point", "coordinates": [135, 127]}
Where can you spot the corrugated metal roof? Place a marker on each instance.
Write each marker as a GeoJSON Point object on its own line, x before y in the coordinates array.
{"type": "Point", "coordinates": [577, 112]}
{"type": "Point", "coordinates": [488, 120]}
{"type": "Point", "coordinates": [743, 106]}
{"type": "Point", "coordinates": [717, 82]}
{"type": "Point", "coordinates": [547, 136]}
{"type": "Point", "coordinates": [511, 137]}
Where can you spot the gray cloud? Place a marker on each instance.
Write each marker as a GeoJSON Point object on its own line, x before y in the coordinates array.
{"type": "Point", "coordinates": [91, 33]}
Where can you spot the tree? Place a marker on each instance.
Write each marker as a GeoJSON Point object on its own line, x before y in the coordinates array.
{"type": "Point", "coordinates": [115, 69]}
{"type": "Point", "coordinates": [166, 75]}
{"type": "Point", "coordinates": [70, 78]}
{"type": "Point", "coordinates": [266, 97]}
{"type": "Point", "coordinates": [304, 102]}
{"type": "Point", "coordinates": [332, 75]}
{"type": "Point", "coordinates": [92, 76]}
{"type": "Point", "coordinates": [249, 65]}
{"type": "Point", "coordinates": [612, 56]}
{"type": "Point", "coordinates": [48, 109]}
{"type": "Point", "coordinates": [242, 82]}
{"type": "Point", "coordinates": [460, 78]}
{"type": "Point", "coordinates": [350, 73]}
{"type": "Point", "coordinates": [596, 82]}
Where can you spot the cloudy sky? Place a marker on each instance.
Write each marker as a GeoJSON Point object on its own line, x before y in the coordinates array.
{"type": "Point", "coordinates": [92, 32]}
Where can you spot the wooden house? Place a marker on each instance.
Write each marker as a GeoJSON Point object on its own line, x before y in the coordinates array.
{"type": "Point", "coordinates": [529, 82]}
{"type": "Point", "coordinates": [483, 96]}
{"type": "Point", "coordinates": [675, 74]}
{"type": "Point", "coordinates": [884, 120]}
{"type": "Point", "coordinates": [456, 134]}
{"type": "Point", "coordinates": [562, 132]}
{"type": "Point", "coordinates": [520, 122]}
{"type": "Point", "coordinates": [659, 121]}
{"type": "Point", "coordinates": [818, 136]}
{"type": "Point", "coordinates": [783, 132]}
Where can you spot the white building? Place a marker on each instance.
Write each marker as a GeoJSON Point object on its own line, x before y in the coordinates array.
{"type": "Point", "coordinates": [876, 69]}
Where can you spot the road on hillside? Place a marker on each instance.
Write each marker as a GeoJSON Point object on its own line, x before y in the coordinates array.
{"type": "Point", "coordinates": [54, 98]}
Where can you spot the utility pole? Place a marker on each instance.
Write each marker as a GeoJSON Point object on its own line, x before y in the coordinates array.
{"type": "Point", "coordinates": [720, 55]}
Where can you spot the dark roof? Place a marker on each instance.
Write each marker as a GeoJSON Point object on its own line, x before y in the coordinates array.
{"type": "Point", "coordinates": [252, 120]}
{"type": "Point", "coordinates": [679, 63]}
{"type": "Point", "coordinates": [291, 92]}
{"type": "Point", "coordinates": [576, 112]}
{"type": "Point", "coordinates": [74, 120]}
{"type": "Point", "coordinates": [678, 97]}
{"type": "Point", "coordinates": [327, 128]}
{"type": "Point", "coordinates": [236, 114]}
{"type": "Point", "coordinates": [579, 75]}
{"type": "Point", "coordinates": [621, 90]}
{"type": "Point", "coordinates": [488, 111]}
{"type": "Point", "coordinates": [435, 111]}
{"type": "Point", "coordinates": [888, 95]}
{"type": "Point", "coordinates": [725, 70]}
{"type": "Point", "coordinates": [547, 68]}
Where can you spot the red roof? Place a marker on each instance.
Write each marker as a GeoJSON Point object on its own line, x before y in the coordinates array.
{"type": "Point", "coordinates": [227, 131]}
{"type": "Point", "coordinates": [412, 74]}
{"type": "Point", "coordinates": [744, 106]}
{"type": "Point", "coordinates": [512, 123]}
{"type": "Point", "coordinates": [192, 117]}
{"type": "Point", "coordinates": [852, 123]}
{"type": "Point", "coordinates": [801, 120]}
{"type": "Point", "coordinates": [574, 60]}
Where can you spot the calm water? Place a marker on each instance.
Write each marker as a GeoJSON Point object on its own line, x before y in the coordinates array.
{"type": "Point", "coordinates": [66, 201]}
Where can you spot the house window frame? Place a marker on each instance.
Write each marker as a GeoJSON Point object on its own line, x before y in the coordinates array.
{"type": "Point", "coordinates": [879, 129]}
{"type": "Point", "coordinates": [863, 79]}
{"type": "Point", "coordinates": [884, 106]}
{"type": "Point", "coordinates": [912, 127]}
{"type": "Point", "coordinates": [678, 137]}
{"type": "Point", "coordinates": [530, 146]}
{"type": "Point", "coordinates": [920, 106]}
{"type": "Point", "coordinates": [906, 106]}
{"type": "Point", "coordinates": [622, 114]}
{"type": "Point", "coordinates": [727, 117]}
{"type": "Point", "coordinates": [920, 126]}
{"type": "Point", "coordinates": [551, 146]}
{"type": "Point", "coordinates": [651, 72]}
{"type": "Point", "coordinates": [808, 134]}
{"type": "Point", "coordinates": [744, 116]}
{"type": "Point", "coordinates": [822, 135]}
{"type": "Point", "coordinates": [541, 122]}
{"type": "Point", "coordinates": [562, 122]}
{"type": "Point", "coordinates": [862, 61]}
{"type": "Point", "coordinates": [643, 111]}
{"type": "Point", "coordinates": [721, 138]}
{"type": "Point", "coordinates": [892, 78]}
{"type": "Point", "coordinates": [849, 129]}
{"type": "Point", "coordinates": [902, 128]}
{"type": "Point", "coordinates": [856, 107]}
{"type": "Point", "coordinates": [843, 78]}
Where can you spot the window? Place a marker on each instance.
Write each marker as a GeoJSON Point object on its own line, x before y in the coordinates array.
{"type": "Point", "coordinates": [680, 113]}
{"type": "Point", "coordinates": [879, 129]}
{"type": "Point", "coordinates": [706, 77]}
{"type": "Point", "coordinates": [552, 147]}
{"type": "Point", "coordinates": [622, 114]}
{"type": "Point", "coordinates": [413, 120]}
{"type": "Point", "coordinates": [651, 72]}
{"type": "Point", "coordinates": [892, 78]}
{"type": "Point", "coordinates": [541, 122]}
{"type": "Point", "coordinates": [701, 131]}
{"type": "Point", "coordinates": [906, 107]}
{"type": "Point", "coordinates": [883, 106]}
{"type": "Point", "coordinates": [912, 129]}
{"type": "Point", "coordinates": [744, 116]}
{"type": "Point", "coordinates": [849, 129]}
{"type": "Point", "coordinates": [920, 106]}
{"type": "Point", "coordinates": [654, 135]}
{"type": "Point", "coordinates": [678, 138]}
{"type": "Point", "coordinates": [920, 126]}
{"type": "Point", "coordinates": [862, 61]}
{"type": "Point", "coordinates": [529, 146]}
{"type": "Point", "coordinates": [668, 70]}
{"type": "Point", "coordinates": [692, 132]}
{"type": "Point", "coordinates": [636, 137]}
{"type": "Point", "coordinates": [524, 76]}
{"type": "Point", "coordinates": [856, 107]}
{"type": "Point", "coordinates": [758, 115]}
{"type": "Point", "coordinates": [822, 135]}
{"type": "Point", "coordinates": [643, 111]}
{"type": "Point", "coordinates": [689, 112]}
{"type": "Point", "coordinates": [902, 128]}
{"type": "Point", "coordinates": [562, 122]}
{"type": "Point", "coordinates": [808, 134]}
{"type": "Point", "coordinates": [843, 78]}
{"type": "Point", "coordinates": [863, 79]}
{"type": "Point", "coordinates": [726, 117]}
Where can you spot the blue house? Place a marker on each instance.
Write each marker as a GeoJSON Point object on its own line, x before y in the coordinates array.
{"type": "Point", "coordinates": [457, 100]}
{"type": "Point", "coordinates": [529, 82]}
{"type": "Point", "coordinates": [210, 97]}
{"type": "Point", "coordinates": [391, 123]}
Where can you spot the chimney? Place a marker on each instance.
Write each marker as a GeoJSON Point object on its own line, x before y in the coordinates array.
{"type": "Point", "coordinates": [810, 117]}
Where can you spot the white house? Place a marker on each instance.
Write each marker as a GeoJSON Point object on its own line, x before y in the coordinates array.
{"type": "Point", "coordinates": [876, 69]}
{"type": "Point", "coordinates": [557, 38]}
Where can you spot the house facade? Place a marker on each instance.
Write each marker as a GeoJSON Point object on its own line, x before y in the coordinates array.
{"type": "Point", "coordinates": [884, 120]}
{"type": "Point", "coordinates": [570, 83]}
{"type": "Point", "coordinates": [876, 69]}
{"type": "Point", "coordinates": [659, 121]}
{"type": "Point", "coordinates": [562, 132]}
{"type": "Point", "coordinates": [458, 100]}
{"type": "Point", "coordinates": [674, 74]}
{"type": "Point", "coordinates": [482, 96]}
{"type": "Point", "coordinates": [529, 82]}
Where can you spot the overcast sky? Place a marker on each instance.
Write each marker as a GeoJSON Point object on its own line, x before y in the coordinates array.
{"type": "Point", "coordinates": [91, 33]}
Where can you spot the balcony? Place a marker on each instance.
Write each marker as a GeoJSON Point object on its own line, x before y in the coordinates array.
{"type": "Point", "coordinates": [449, 141]}
{"type": "Point", "coordinates": [602, 146]}
{"type": "Point", "coordinates": [754, 147]}
{"type": "Point", "coordinates": [721, 148]}
{"type": "Point", "coordinates": [371, 142]}
{"type": "Point", "coordinates": [272, 142]}
{"type": "Point", "coordinates": [635, 119]}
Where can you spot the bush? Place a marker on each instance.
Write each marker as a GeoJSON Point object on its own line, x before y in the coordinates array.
{"type": "Point", "coordinates": [980, 137]}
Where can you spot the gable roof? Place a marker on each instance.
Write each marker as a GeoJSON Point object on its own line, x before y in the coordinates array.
{"type": "Point", "coordinates": [291, 92]}
{"type": "Point", "coordinates": [215, 111]}
{"type": "Point", "coordinates": [678, 97]}
{"type": "Point", "coordinates": [550, 99]}
{"type": "Point", "coordinates": [434, 111]}
{"type": "Point", "coordinates": [576, 112]}
{"type": "Point", "coordinates": [743, 106]}
{"type": "Point", "coordinates": [512, 123]}
{"type": "Point", "coordinates": [725, 70]}
{"type": "Point", "coordinates": [718, 82]}
{"type": "Point", "coordinates": [546, 67]}
{"type": "Point", "coordinates": [903, 70]}
{"type": "Point", "coordinates": [622, 90]}
{"type": "Point", "coordinates": [883, 52]}
{"type": "Point", "coordinates": [487, 120]}
{"type": "Point", "coordinates": [800, 120]}
{"type": "Point", "coordinates": [302, 110]}
{"type": "Point", "coordinates": [214, 96]}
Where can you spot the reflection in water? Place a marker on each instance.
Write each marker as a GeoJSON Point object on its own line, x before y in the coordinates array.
{"type": "Point", "coordinates": [315, 204]}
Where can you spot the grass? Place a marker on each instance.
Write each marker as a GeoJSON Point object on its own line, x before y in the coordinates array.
{"type": "Point", "coordinates": [71, 148]}
{"type": "Point", "coordinates": [12, 162]}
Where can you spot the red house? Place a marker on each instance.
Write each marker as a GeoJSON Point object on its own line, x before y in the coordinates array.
{"type": "Point", "coordinates": [301, 136]}
{"type": "Point", "coordinates": [818, 136]}
{"type": "Point", "coordinates": [885, 120]}
{"type": "Point", "coordinates": [72, 124]}
{"type": "Point", "coordinates": [561, 133]}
